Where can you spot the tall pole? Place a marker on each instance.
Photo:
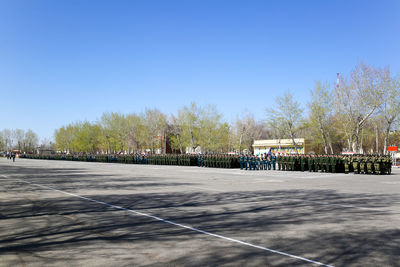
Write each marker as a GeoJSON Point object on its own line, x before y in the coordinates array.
{"type": "Point", "coordinates": [337, 80]}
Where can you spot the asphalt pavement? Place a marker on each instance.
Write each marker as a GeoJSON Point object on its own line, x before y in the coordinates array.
{"type": "Point", "coordinates": [62, 213]}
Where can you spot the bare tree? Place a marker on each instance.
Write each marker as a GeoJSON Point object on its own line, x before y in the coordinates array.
{"type": "Point", "coordinates": [358, 98]}
{"type": "Point", "coordinates": [6, 136]}
{"type": "Point", "coordinates": [175, 129]}
{"type": "Point", "coordinates": [246, 130]}
{"type": "Point", "coordinates": [31, 141]}
{"type": "Point", "coordinates": [286, 118]}
{"type": "Point", "coordinates": [390, 108]}
{"type": "Point", "coordinates": [18, 136]}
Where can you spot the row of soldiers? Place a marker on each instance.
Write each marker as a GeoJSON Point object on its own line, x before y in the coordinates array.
{"type": "Point", "coordinates": [217, 161]}
{"type": "Point", "coordinates": [262, 162]}
{"type": "Point", "coordinates": [139, 158]}
{"type": "Point", "coordinates": [366, 164]}
{"type": "Point", "coordinates": [370, 164]}
{"type": "Point", "coordinates": [207, 160]}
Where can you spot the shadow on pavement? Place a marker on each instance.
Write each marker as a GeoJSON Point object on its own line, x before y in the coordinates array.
{"type": "Point", "coordinates": [323, 225]}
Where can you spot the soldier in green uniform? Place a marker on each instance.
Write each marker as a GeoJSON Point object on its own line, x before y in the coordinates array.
{"type": "Point", "coordinates": [293, 163]}
{"type": "Point", "coordinates": [310, 163]}
{"type": "Point", "coordinates": [333, 164]}
{"type": "Point", "coordinates": [278, 160]}
{"type": "Point", "coordinates": [387, 165]}
{"type": "Point", "coordinates": [324, 161]}
{"type": "Point", "coordinates": [369, 162]}
{"type": "Point", "coordinates": [378, 165]}
{"type": "Point", "coordinates": [285, 163]}
{"type": "Point", "coordinates": [362, 164]}
{"type": "Point", "coordinates": [346, 161]}
{"type": "Point", "coordinates": [356, 165]}
{"type": "Point", "coordinates": [302, 163]}
{"type": "Point", "coordinates": [316, 163]}
{"type": "Point", "coordinates": [226, 161]}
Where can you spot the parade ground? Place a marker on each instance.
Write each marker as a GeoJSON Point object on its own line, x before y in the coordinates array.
{"type": "Point", "coordinates": [63, 213]}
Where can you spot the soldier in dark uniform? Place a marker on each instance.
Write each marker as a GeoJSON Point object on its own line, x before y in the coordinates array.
{"type": "Point", "coordinates": [273, 161]}
{"type": "Point", "coordinates": [241, 162]}
{"type": "Point", "coordinates": [263, 162]}
{"type": "Point", "coordinates": [268, 159]}
{"type": "Point", "coordinates": [278, 160]}
{"type": "Point", "coordinates": [199, 160]}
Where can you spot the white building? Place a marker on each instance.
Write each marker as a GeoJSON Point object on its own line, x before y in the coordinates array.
{"type": "Point", "coordinates": [282, 146]}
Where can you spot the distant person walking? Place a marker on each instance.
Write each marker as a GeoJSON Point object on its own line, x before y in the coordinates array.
{"type": "Point", "coordinates": [13, 156]}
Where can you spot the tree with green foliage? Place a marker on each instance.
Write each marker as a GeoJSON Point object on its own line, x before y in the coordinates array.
{"type": "Point", "coordinates": [320, 113]}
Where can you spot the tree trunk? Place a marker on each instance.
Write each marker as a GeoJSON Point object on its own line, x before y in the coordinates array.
{"type": "Point", "coordinates": [330, 147]}
{"type": "Point", "coordinates": [362, 141]}
{"type": "Point", "coordinates": [323, 138]}
{"type": "Point", "coordinates": [294, 143]}
{"type": "Point", "coordinates": [356, 140]}
{"type": "Point", "coordinates": [165, 143]}
{"type": "Point", "coordinates": [240, 143]}
{"type": "Point", "coordinates": [192, 138]}
{"type": "Point", "coordinates": [180, 143]}
{"type": "Point", "coordinates": [387, 131]}
{"type": "Point", "coordinates": [328, 137]}
{"type": "Point", "coordinates": [348, 139]}
{"type": "Point", "coordinates": [376, 139]}
{"type": "Point", "coordinates": [386, 142]}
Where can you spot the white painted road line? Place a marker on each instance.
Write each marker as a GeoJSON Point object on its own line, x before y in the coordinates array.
{"type": "Point", "coordinates": [181, 225]}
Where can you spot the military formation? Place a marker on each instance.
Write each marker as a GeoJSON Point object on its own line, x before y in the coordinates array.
{"type": "Point", "coordinates": [358, 164]}
{"type": "Point", "coordinates": [207, 160]}
{"type": "Point", "coordinates": [262, 162]}
{"type": "Point", "coordinates": [218, 161]}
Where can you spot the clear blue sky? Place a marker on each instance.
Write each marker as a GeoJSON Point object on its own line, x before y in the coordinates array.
{"type": "Point", "coordinates": [69, 60]}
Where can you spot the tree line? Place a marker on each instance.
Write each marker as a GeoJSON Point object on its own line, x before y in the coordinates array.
{"type": "Point", "coordinates": [360, 115]}
{"type": "Point", "coordinates": [192, 126]}
{"type": "Point", "coordinates": [18, 139]}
